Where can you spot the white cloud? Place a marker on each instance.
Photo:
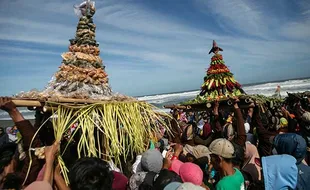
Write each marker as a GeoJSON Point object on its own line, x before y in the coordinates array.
{"type": "Point", "coordinates": [296, 30]}
{"type": "Point", "coordinates": [239, 14]}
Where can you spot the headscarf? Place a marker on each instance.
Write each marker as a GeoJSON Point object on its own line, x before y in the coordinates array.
{"type": "Point", "coordinates": [250, 166]}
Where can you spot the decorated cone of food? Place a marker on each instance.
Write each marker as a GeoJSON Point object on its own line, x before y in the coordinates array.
{"type": "Point", "coordinates": [108, 125]}
{"type": "Point", "coordinates": [219, 82]}
{"type": "Point", "coordinates": [82, 74]}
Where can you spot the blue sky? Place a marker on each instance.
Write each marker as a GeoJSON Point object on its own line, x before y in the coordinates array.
{"type": "Point", "coordinates": [157, 46]}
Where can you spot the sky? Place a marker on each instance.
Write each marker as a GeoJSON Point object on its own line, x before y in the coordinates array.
{"type": "Point", "coordinates": [157, 46]}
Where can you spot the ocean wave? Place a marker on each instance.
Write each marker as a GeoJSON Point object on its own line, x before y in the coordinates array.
{"type": "Point", "coordinates": [267, 89]}
{"type": "Point", "coordinates": [172, 95]}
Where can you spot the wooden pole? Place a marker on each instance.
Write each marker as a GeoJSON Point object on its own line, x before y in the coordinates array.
{"type": "Point", "coordinates": [27, 103]}
{"type": "Point", "coordinates": [175, 107]}
{"type": "Point", "coordinates": [71, 101]}
{"type": "Point", "coordinates": [87, 101]}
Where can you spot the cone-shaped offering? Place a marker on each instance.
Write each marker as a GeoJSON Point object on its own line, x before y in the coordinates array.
{"type": "Point", "coordinates": [82, 72]}
{"type": "Point", "coordinates": [110, 126]}
{"type": "Point", "coordinates": [219, 82]}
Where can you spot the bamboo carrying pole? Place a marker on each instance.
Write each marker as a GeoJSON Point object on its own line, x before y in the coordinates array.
{"type": "Point", "coordinates": [88, 101]}
{"type": "Point", "coordinates": [69, 101]}
{"type": "Point", "coordinates": [175, 107]}
{"type": "Point", "coordinates": [27, 103]}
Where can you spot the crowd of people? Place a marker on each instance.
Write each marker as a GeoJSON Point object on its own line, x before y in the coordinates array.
{"type": "Point", "coordinates": [252, 148]}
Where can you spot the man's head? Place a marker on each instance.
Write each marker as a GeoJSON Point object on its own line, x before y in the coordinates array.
{"type": "Point", "coordinates": [152, 161]}
{"type": "Point", "coordinates": [12, 181]}
{"type": "Point", "coordinates": [165, 177]}
{"type": "Point", "coordinates": [192, 173]}
{"type": "Point", "coordinates": [239, 155]}
{"type": "Point", "coordinates": [90, 174]}
{"type": "Point", "coordinates": [222, 153]}
{"type": "Point", "coordinates": [291, 144]}
{"type": "Point", "coordinates": [306, 118]}
{"type": "Point", "coordinates": [7, 163]}
{"type": "Point", "coordinates": [282, 127]}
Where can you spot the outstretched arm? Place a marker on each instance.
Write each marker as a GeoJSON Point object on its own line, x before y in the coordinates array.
{"type": "Point", "coordinates": [241, 136]}
{"type": "Point", "coordinates": [7, 105]}
{"type": "Point", "coordinates": [217, 124]}
{"type": "Point", "coordinates": [27, 131]}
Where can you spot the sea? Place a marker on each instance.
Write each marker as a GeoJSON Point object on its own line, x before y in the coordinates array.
{"type": "Point", "coordinates": [159, 100]}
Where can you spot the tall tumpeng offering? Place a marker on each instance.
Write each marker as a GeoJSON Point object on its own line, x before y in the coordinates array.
{"type": "Point", "coordinates": [219, 81]}
{"type": "Point", "coordinates": [107, 125]}
{"type": "Point", "coordinates": [82, 73]}
{"type": "Point", "coordinates": [219, 84]}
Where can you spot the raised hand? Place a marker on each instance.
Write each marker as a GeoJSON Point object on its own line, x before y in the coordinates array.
{"type": "Point", "coordinates": [51, 152]}
{"type": "Point", "coordinates": [236, 100]}
{"type": "Point", "coordinates": [6, 104]}
{"type": "Point", "coordinates": [216, 108]}
{"type": "Point", "coordinates": [178, 148]}
{"type": "Point", "coordinates": [167, 160]}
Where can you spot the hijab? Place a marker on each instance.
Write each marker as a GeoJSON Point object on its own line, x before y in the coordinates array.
{"type": "Point", "coordinates": [250, 165]}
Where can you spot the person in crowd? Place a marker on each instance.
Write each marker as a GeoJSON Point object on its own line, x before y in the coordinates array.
{"type": "Point", "coordinates": [175, 135]}
{"type": "Point", "coordinates": [264, 146]}
{"type": "Point", "coordinates": [283, 126]}
{"type": "Point", "coordinates": [251, 169]}
{"type": "Point", "coordinates": [250, 137]}
{"type": "Point", "coordinates": [221, 158]}
{"type": "Point", "coordinates": [13, 134]}
{"type": "Point", "coordinates": [305, 127]}
{"type": "Point", "coordinates": [191, 117]}
{"type": "Point", "coordinates": [192, 173]}
{"type": "Point", "coordinates": [164, 178]}
{"type": "Point", "coordinates": [205, 157]}
{"type": "Point", "coordinates": [4, 138]}
{"type": "Point", "coordinates": [277, 93]}
{"type": "Point", "coordinates": [187, 132]}
{"type": "Point", "coordinates": [27, 131]}
{"type": "Point", "coordinates": [90, 173]}
{"type": "Point", "coordinates": [208, 171]}
{"type": "Point", "coordinates": [294, 145]}
{"type": "Point", "coordinates": [228, 130]}
{"type": "Point", "coordinates": [151, 165]}
{"type": "Point", "coordinates": [279, 172]}
{"type": "Point", "coordinates": [47, 180]}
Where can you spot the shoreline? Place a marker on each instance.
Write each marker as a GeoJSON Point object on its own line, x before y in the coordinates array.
{"type": "Point", "coordinates": [10, 123]}
{"type": "Point", "coordinates": [244, 85]}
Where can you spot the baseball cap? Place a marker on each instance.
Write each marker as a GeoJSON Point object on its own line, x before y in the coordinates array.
{"type": "Point", "coordinates": [176, 165]}
{"type": "Point", "coordinates": [192, 173]}
{"type": "Point", "coordinates": [152, 160]}
{"type": "Point", "coordinates": [306, 117]}
{"type": "Point", "coordinates": [222, 147]}
{"type": "Point", "coordinates": [197, 151]}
